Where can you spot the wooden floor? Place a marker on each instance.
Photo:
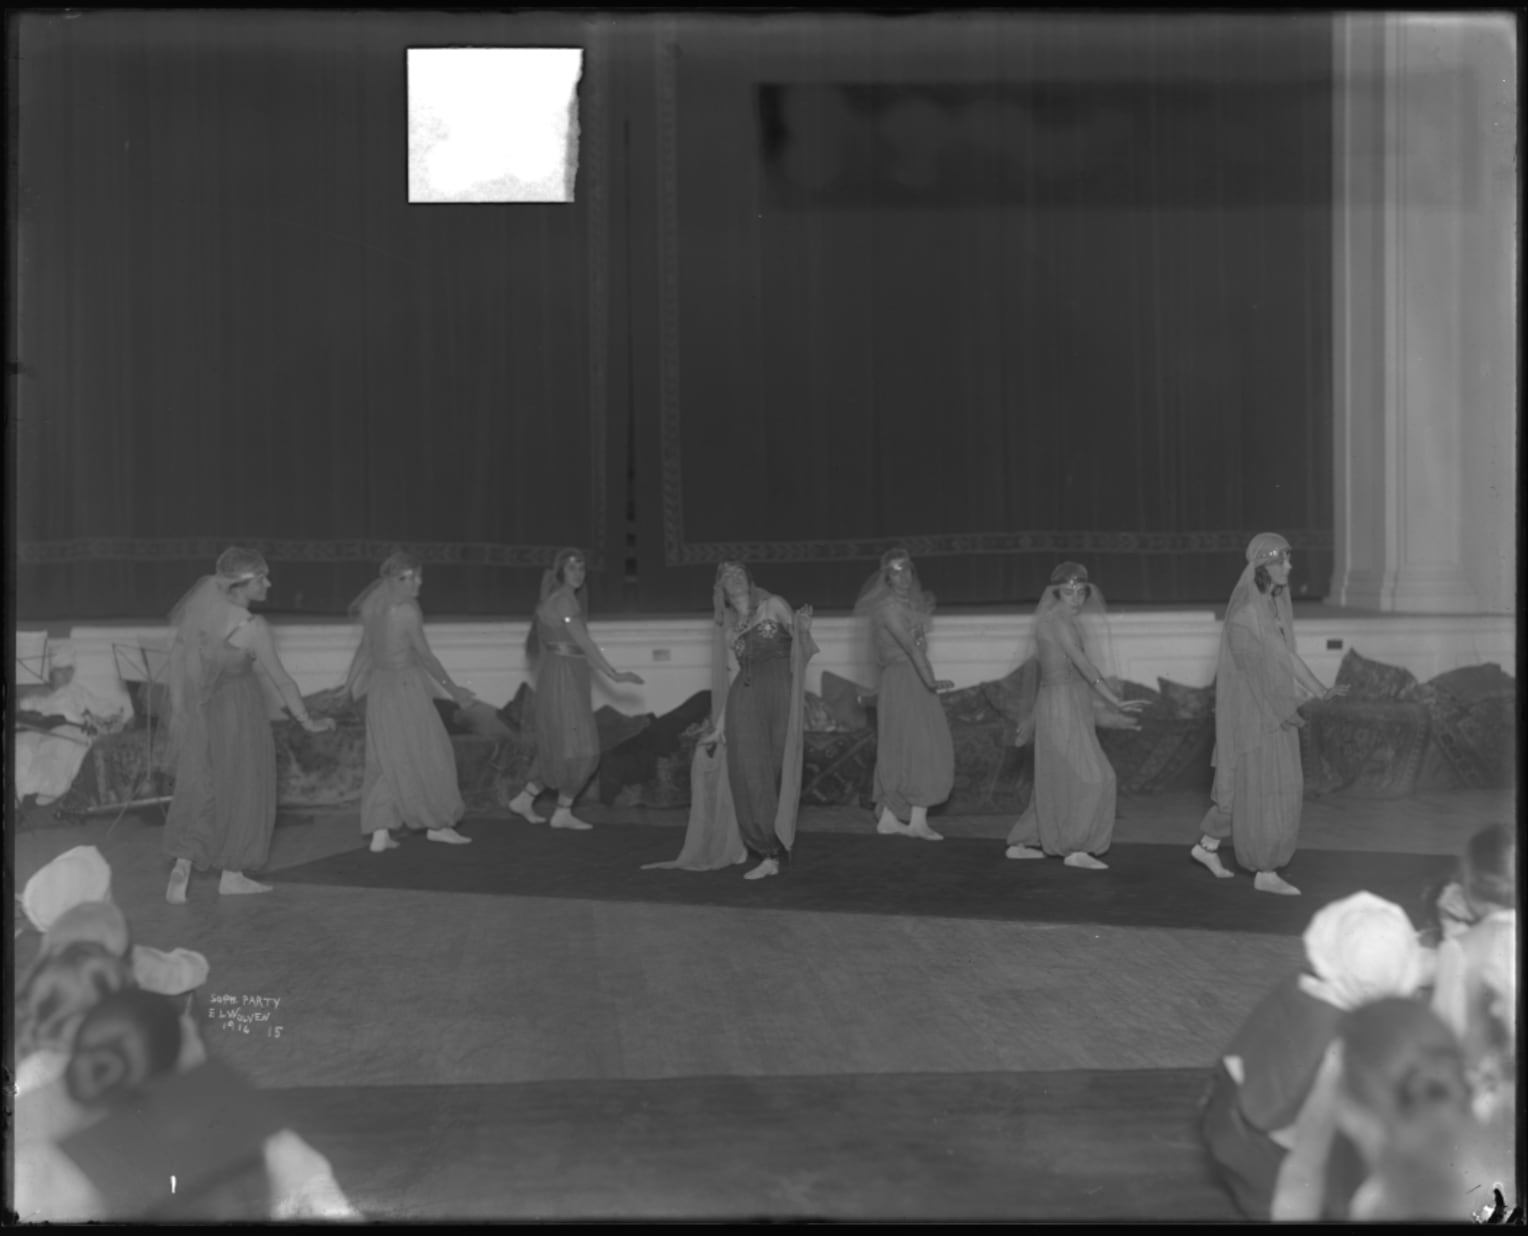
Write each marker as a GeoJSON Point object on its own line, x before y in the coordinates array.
{"type": "Point", "coordinates": [472, 1056]}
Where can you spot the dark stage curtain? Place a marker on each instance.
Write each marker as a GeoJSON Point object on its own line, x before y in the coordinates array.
{"type": "Point", "coordinates": [1006, 289]}
{"type": "Point", "coordinates": [235, 329]}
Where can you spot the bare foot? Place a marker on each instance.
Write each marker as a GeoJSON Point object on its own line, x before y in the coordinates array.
{"type": "Point", "coordinates": [768, 867]}
{"type": "Point", "coordinates": [447, 836]}
{"type": "Point", "coordinates": [889, 826]}
{"type": "Point", "coordinates": [237, 884]}
{"type": "Point", "coordinates": [1023, 851]}
{"type": "Point", "coordinates": [180, 877]}
{"type": "Point", "coordinates": [524, 806]}
{"type": "Point", "coordinates": [1086, 862]}
{"type": "Point", "coordinates": [382, 840]}
{"type": "Point", "coordinates": [1210, 860]}
{"type": "Point", "coordinates": [1270, 882]}
{"type": "Point", "coordinates": [924, 831]}
{"type": "Point", "coordinates": [563, 818]}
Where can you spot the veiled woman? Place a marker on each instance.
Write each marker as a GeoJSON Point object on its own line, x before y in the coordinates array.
{"type": "Point", "coordinates": [410, 763]}
{"type": "Point", "coordinates": [915, 754]}
{"type": "Point", "coordinates": [560, 649]}
{"type": "Point", "coordinates": [224, 810]}
{"type": "Point", "coordinates": [1260, 684]}
{"type": "Point", "coordinates": [1071, 812]}
{"type": "Point", "coordinates": [746, 775]}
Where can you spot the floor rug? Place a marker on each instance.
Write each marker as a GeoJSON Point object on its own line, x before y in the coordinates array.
{"type": "Point", "coordinates": [1145, 886]}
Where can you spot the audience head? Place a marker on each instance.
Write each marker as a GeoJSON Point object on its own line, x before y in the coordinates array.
{"type": "Point", "coordinates": [60, 989]}
{"type": "Point", "coordinates": [74, 878]}
{"type": "Point", "coordinates": [1405, 1101]}
{"type": "Point", "coordinates": [125, 1041]}
{"type": "Point", "coordinates": [1403, 1076]}
{"type": "Point", "coordinates": [1488, 870]}
{"type": "Point", "coordinates": [1362, 948]}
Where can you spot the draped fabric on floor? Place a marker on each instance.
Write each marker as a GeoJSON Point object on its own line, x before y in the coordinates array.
{"type": "Point", "coordinates": [1008, 289]}
{"type": "Point", "coordinates": [235, 327]}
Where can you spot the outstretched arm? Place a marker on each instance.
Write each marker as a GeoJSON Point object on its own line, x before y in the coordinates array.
{"type": "Point", "coordinates": [255, 636]}
{"type": "Point", "coordinates": [408, 615]}
{"type": "Point", "coordinates": [901, 631]}
{"type": "Point", "coordinates": [1076, 654]}
{"type": "Point", "coordinates": [566, 613]}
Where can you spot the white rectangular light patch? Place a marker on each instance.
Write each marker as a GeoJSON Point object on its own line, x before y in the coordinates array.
{"type": "Point", "coordinates": [493, 124]}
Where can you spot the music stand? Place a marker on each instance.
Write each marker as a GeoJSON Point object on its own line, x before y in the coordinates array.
{"type": "Point", "coordinates": [146, 663]}
{"type": "Point", "coordinates": [32, 667]}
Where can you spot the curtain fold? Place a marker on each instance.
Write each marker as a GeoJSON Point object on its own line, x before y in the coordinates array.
{"type": "Point", "coordinates": [236, 329]}
{"type": "Point", "coordinates": [1005, 290]}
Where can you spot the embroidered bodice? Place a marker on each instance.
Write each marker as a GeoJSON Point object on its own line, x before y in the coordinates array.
{"type": "Point", "coordinates": [765, 641]}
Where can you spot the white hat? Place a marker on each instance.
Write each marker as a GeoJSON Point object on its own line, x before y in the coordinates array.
{"type": "Point", "coordinates": [73, 878]}
{"type": "Point", "coordinates": [1362, 948]}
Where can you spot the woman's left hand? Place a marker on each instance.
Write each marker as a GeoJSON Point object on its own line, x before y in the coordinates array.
{"type": "Point", "coordinates": [320, 725]}
{"type": "Point", "coordinates": [1334, 693]}
{"type": "Point", "coordinates": [944, 684]}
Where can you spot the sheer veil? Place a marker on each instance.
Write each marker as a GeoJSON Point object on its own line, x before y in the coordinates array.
{"type": "Point", "coordinates": [371, 608]}
{"type": "Point", "coordinates": [1252, 701]}
{"type": "Point", "coordinates": [200, 622]}
{"type": "Point", "coordinates": [876, 591]}
{"type": "Point", "coordinates": [1092, 626]}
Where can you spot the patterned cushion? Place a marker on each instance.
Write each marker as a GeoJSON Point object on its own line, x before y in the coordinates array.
{"type": "Point", "coordinates": [1368, 748]}
{"type": "Point", "coordinates": [1164, 755]}
{"type": "Point", "coordinates": [844, 700]}
{"type": "Point", "coordinates": [1188, 702]}
{"type": "Point", "coordinates": [1007, 695]}
{"type": "Point", "coordinates": [838, 769]}
{"type": "Point", "coordinates": [992, 776]}
{"type": "Point", "coordinates": [969, 706]}
{"type": "Point", "coordinates": [1473, 718]}
{"type": "Point", "coordinates": [819, 718]}
{"type": "Point", "coordinates": [1370, 680]}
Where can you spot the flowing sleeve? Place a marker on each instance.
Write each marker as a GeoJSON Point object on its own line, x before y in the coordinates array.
{"type": "Point", "coordinates": [358, 679]}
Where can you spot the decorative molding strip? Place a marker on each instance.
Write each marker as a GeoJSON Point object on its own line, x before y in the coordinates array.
{"type": "Point", "coordinates": [679, 552]}
{"type": "Point", "coordinates": [206, 550]}
{"type": "Point", "coordinates": [947, 545]}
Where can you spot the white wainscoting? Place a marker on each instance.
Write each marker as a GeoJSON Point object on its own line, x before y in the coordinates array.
{"type": "Point", "coordinates": [673, 655]}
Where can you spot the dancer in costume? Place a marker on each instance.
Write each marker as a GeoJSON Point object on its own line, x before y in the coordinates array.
{"type": "Point", "coordinates": [224, 809]}
{"type": "Point", "coordinates": [410, 764]}
{"type": "Point", "coordinates": [1259, 684]}
{"type": "Point", "coordinates": [746, 775]}
{"type": "Point", "coordinates": [1071, 812]}
{"type": "Point", "coordinates": [915, 755]}
{"type": "Point", "coordinates": [560, 649]}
